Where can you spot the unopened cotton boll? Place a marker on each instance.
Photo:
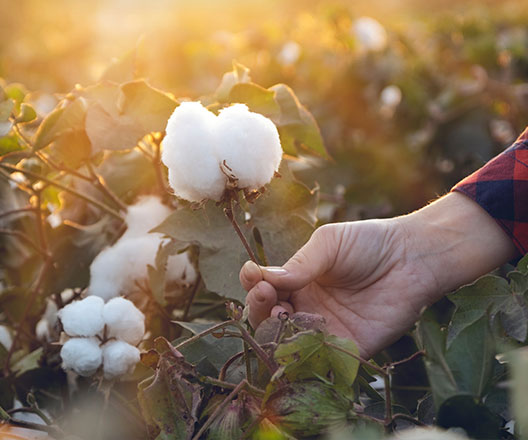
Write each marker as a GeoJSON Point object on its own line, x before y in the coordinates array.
{"type": "Point", "coordinates": [84, 317]}
{"type": "Point", "coordinates": [82, 355]}
{"type": "Point", "coordinates": [188, 152]}
{"type": "Point", "coordinates": [119, 358]}
{"type": "Point", "coordinates": [124, 320]}
{"type": "Point", "coordinates": [249, 144]}
{"type": "Point", "coordinates": [147, 213]}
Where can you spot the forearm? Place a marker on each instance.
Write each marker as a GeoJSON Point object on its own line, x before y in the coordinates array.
{"type": "Point", "coordinates": [456, 241]}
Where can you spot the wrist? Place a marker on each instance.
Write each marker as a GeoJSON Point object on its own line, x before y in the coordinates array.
{"type": "Point", "coordinates": [455, 241]}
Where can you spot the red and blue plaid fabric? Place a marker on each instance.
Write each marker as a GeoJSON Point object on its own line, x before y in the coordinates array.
{"type": "Point", "coordinates": [501, 188]}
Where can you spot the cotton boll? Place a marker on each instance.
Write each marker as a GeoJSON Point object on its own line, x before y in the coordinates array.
{"type": "Point", "coordinates": [5, 337]}
{"type": "Point", "coordinates": [370, 34]}
{"type": "Point", "coordinates": [180, 268]}
{"type": "Point", "coordinates": [249, 144]}
{"type": "Point", "coordinates": [83, 318]}
{"type": "Point", "coordinates": [82, 355]}
{"type": "Point", "coordinates": [188, 153]}
{"type": "Point", "coordinates": [124, 320]}
{"type": "Point", "coordinates": [119, 358]}
{"type": "Point", "coordinates": [147, 213]}
{"type": "Point", "coordinates": [115, 270]}
{"type": "Point", "coordinates": [289, 53]}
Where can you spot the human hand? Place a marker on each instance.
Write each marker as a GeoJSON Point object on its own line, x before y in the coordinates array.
{"type": "Point", "coordinates": [370, 279]}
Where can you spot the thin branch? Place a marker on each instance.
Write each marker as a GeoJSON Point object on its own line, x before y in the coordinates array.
{"type": "Point", "coordinates": [103, 187]}
{"type": "Point", "coordinates": [408, 418]}
{"type": "Point", "coordinates": [60, 167]}
{"type": "Point", "coordinates": [228, 211]}
{"type": "Point", "coordinates": [86, 198]}
{"type": "Point", "coordinates": [269, 362]}
{"type": "Point", "coordinates": [156, 162]}
{"type": "Point", "coordinates": [16, 211]}
{"type": "Point", "coordinates": [200, 335]}
{"type": "Point", "coordinates": [36, 411]}
{"type": "Point", "coordinates": [29, 304]}
{"type": "Point", "coordinates": [188, 305]}
{"type": "Point", "coordinates": [24, 237]}
{"type": "Point", "coordinates": [388, 403]}
{"type": "Point", "coordinates": [407, 359]}
{"type": "Point", "coordinates": [53, 431]}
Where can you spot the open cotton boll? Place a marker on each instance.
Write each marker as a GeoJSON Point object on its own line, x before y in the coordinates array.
{"type": "Point", "coordinates": [249, 144]}
{"type": "Point", "coordinates": [82, 355]}
{"type": "Point", "coordinates": [84, 317]}
{"type": "Point", "coordinates": [5, 337]}
{"type": "Point", "coordinates": [124, 320]}
{"type": "Point", "coordinates": [180, 268]}
{"type": "Point", "coordinates": [119, 358]}
{"type": "Point", "coordinates": [147, 213]}
{"type": "Point", "coordinates": [116, 268]}
{"type": "Point", "coordinates": [370, 34]}
{"type": "Point", "coordinates": [194, 172]}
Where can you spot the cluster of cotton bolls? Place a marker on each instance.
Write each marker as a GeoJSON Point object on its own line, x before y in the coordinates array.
{"type": "Point", "coordinates": [116, 269]}
{"type": "Point", "coordinates": [201, 150]}
{"type": "Point", "coordinates": [101, 334]}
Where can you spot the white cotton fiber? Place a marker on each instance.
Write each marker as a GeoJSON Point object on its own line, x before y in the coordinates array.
{"type": "Point", "coordinates": [5, 337]}
{"type": "Point", "coordinates": [82, 355]}
{"type": "Point", "coordinates": [249, 144]}
{"type": "Point", "coordinates": [198, 142]}
{"type": "Point", "coordinates": [188, 152]}
{"type": "Point", "coordinates": [124, 320]}
{"type": "Point", "coordinates": [84, 317]}
{"type": "Point", "coordinates": [370, 34]}
{"type": "Point", "coordinates": [179, 268]}
{"type": "Point", "coordinates": [147, 213]}
{"type": "Point", "coordinates": [119, 358]}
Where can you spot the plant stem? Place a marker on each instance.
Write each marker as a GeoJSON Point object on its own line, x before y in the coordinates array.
{"type": "Point", "coordinates": [36, 411]}
{"type": "Point", "coordinates": [218, 410]}
{"type": "Point", "coordinates": [407, 359]}
{"type": "Point", "coordinates": [53, 431]}
{"type": "Point", "coordinates": [188, 305]}
{"type": "Point", "coordinates": [204, 333]}
{"type": "Point", "coordinates": [16, 211]}
{"type": "Point", "coordinates": [86, 198]}
{"type": "Point", "coordinates": [103, 187]}
{"type": "Point", "coordinates": [388, 403]}
{"type": "Point", "coordinates": [247, 361]}
{"type": "Point", "coordinates": [269, 362]}
{"type": "Point", "coordinates": [228, 211]}
{"type": "Point", "coordinates": [408, 418]}
{"type": "Point", "coordinates": [156, 162]}
{"type": "Point", "coordinates": [25, 238]}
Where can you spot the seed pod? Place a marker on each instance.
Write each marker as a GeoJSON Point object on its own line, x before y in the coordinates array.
{"type": "Point", "coordinates": [308, 408]}
{"type": "Point", "coordinates": [239, 414]}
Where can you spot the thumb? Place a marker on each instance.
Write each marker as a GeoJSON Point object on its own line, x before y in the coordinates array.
{"type": "Point", "coordinates": [309, 263]}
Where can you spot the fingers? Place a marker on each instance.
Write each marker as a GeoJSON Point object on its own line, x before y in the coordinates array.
{"type": "Point", "coordinates": [261, 299]}
{"type": "Point", "coordinates": [309, 263]}
{"type": "Point", "coordinates": [250, 274]}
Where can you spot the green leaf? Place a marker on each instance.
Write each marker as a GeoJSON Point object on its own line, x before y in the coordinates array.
{"type": "Point", "coordinates": [29, 362]}
{"type": "Point", "coordinates": [519, 366]}
{"type": "Point", "coordinates": [67, 118]}
{"type": "Point", "coordinates": [308, 355]}
{"type": "Point", "coordinates": [471, 358]}
{"type": "Point", "coordinates": [147, 106]}
{"type": "Point", "coordinates": [297, 127]}
{"type": "Point", "coordinates": [433, 340]}
{"type": "Point", "coordinates": [221, 252]}
{"type": "Point", "coordinates": [239, 75]}
{"type": "Point", "coordinates": [122, 69]}
{"type": "Point", "coordinates": [216, 350]}
{"type": "Point", "coordinates": [169, 401]}
{"type": "Point", "coordinates": [257, 98]}
{"type": "Point", "coordinates": [27, 113]}
{"type": "Point", "coordinates": [285, 216]}
{"type": "Point", "coordinates": [17, 92]}
{"type": "Point", "coordinates": [474, 417]}
{"type": "Point", "coordinates": [493, 295]}
{"type": "Point", "coordinates": [6, 107]}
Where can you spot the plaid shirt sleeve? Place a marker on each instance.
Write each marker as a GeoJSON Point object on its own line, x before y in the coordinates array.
{"type": "Point", "coordinates": [501, 188]}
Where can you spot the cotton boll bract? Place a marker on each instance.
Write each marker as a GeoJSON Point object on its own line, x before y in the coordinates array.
{"type": "Point", "coordinates": [82, 355]}
{"type": "Point", "coordinates": [249, 144]}
{"type": "Point", "coordinates": [188, 153]}
{"type": "Point", "coordinates": [124, 320]}
{"type": "Point", "coordinates": [119, 358]}
{"type": "Point", "coordinates": [84, 317]}
{"type": "Point", "coordinates": [147, 213]}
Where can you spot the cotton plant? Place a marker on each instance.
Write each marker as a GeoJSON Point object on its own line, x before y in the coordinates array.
{"type": "Point", "coordinates": [116, 269]}
{"type": "Point", "coordinates": [101, 335]}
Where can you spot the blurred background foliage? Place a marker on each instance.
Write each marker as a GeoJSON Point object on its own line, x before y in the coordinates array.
{"type": "Point", "coordinates": [438, 90]}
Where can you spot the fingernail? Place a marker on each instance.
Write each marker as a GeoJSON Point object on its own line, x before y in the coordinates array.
{"type": "Point", "coordinates": [252, 268]}
{"type": "Point", "coordinates": [276, 270]}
